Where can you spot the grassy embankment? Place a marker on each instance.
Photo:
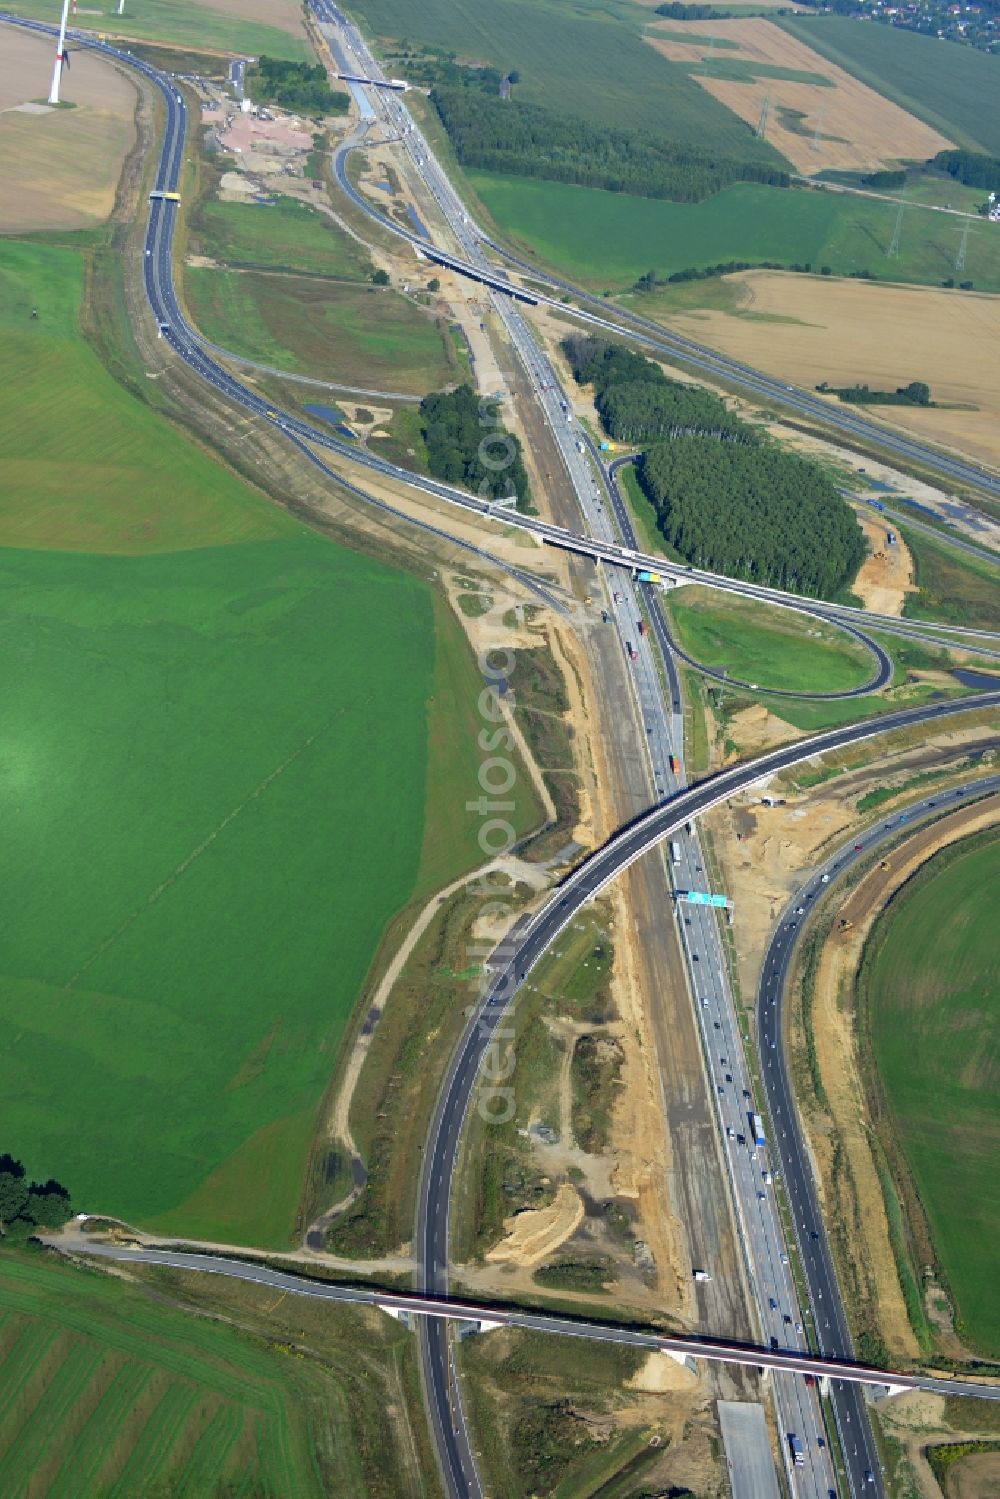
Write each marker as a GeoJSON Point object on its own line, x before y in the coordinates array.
{"type": "Point", "coordinates": [532, 1411]}
{"type": "Point", "coordinates": [189, 23]}
{"type": "Point", "coordinates": [929, 1026]}
{"type": "Point", "coordinates": [955, 588]}
{"type": "Point", "coordinates": [728, 630]}
{"type": "Point", "coordinates": [770, 647]}
{"type": "Point", "coordinates": [608, 240]}
{"type": "Point", "coordinates": [109, 1389]}
{"type": "Point", "coordinates": [953, 89]}
{"type": "Point", "coordinates": [329, 321]}
{"type": "Point", "coordinates": [196, 886]}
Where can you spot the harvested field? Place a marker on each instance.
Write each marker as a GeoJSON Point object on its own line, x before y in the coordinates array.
{"type": "Point", "coordinates": [284, 15]}
{"type": "Point", "coordinates": [857, 127]}
{"type": "Point", "coordinates": [807, 329]}
{"type": "Point", "coordinates": [60, 167]}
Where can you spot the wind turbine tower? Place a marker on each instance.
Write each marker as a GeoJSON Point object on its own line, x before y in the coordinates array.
{"type": "Point", "coordinates": [60, 55]}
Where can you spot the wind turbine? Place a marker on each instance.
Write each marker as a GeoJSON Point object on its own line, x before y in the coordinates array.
{"type": "Point", "coordinates": [60, 56]}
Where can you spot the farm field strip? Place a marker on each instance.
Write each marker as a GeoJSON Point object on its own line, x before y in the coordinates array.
{"type": "Point", "coordinates": [608, 240]}
{"type": "Point", "coordinates": [571, 61]}
{"type": "Point", "coordinates": [930, 986]}
{"type": "Point", "coordinates": [217, 898]}
{"type": "Point", "coordinates": [952, 89]}
{"type": "Point", "coordinates": [61, 167]}
{"type": "Point", "coordinates": [820, 117]}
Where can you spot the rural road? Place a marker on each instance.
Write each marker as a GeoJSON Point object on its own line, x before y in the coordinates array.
{"type": "Point", "coordinates": [489, 1316]}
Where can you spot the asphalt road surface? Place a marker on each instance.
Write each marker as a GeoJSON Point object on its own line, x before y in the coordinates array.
{"type": "Point", "coordinates": [484, 1035]}
{"type": "Point", "coordinates": [489, 1316]}
{"type": "Point", "coordinates": [617, 855]}
{"type": "Point", "coordinates": [829, 1321]}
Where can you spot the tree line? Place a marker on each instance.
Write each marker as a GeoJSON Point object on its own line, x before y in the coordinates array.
{"type": "Point", "coordinates": [674, 10]}
{"type": "Point", "coordinates": [467, 444]}
{"type": "Point", "coordinates": [917, 393]}
{"type": "Point", "coordinates": [298, 86]}
{"type": "Point", "coordinates": [970, 167]}
{"type": "Point", "coordinates": [26, 1204]}
{"type": "Point", "coordinates": [754, 511]}
{"type": "Point", "coordinates": [726, 497]}
{"type": "Point", "coordinates": [529, 140]}
{"type": "Point", "coordinates": [637, 403]}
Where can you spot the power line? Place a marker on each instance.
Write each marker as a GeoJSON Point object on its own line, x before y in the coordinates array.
{"type": "Point", "coordinates": [894, 243]}
{"type": "Point", "coordinates": [761, 130]}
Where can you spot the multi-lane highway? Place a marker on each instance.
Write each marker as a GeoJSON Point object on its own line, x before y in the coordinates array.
{"type": "Point", "coordinates": [488, 1025]}
{"type": "Point", "coordinates": [601, 544]}
{"type": "Point", "coordinates": [786, 1143]}
{"type": "Point", "coordinates": [623, 323]}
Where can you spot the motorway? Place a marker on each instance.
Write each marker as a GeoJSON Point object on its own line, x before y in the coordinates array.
{"type": "Point", "coordinates": [627, 846]}
{"type": "Point", "coordinates": [786, 1141]}
{"type": "Point", "coordinates": [624, 323]}
{"type": "Point", "coordinates": [487, 1029]}
{"type": "Point", "coordinates": [188, 344]}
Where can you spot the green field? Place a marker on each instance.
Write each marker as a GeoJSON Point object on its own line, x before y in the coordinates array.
{"type": "Point", "coordinates": [360, 335]}
{"type": "Point", "coordinates": [108, 1392]}
{"type": "Point", "coordinates": [954, 89]}
{"type": "Point", "coordinates": [610, 239]}
{"type": "Point", "coordinates": [196, 877]}
{"type": "Point", "coordinates": [285, 235]}
{"type": "Point", "coordinates": [931, 985]}
{"type": "Point", "coordinates": [954, 587]}
{"type": "Point", "coordinates": [188, 23]}
{"type": "Point", "coordinates": [770, 647]}
{"type": "Point", "coordinates": [575, 59]}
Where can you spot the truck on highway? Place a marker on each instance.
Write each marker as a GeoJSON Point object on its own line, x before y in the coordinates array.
{"type": "Point", "coordinates": [757, 1129]}
{"type": "Point", "coordinates": [630, 648]}
{"type": "Point", "coordinates": [675, 766]}
{"type": "Point", "coordinates": [675, 852]}
{"type": "Point", "coordinates": [642, 627]}
{"type": "Point", "coordinates": [160, 193]}
{"type": "Point", "coordinates": [643, 575]}
{"type": "Point", "coordinates": [795, 1448]}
